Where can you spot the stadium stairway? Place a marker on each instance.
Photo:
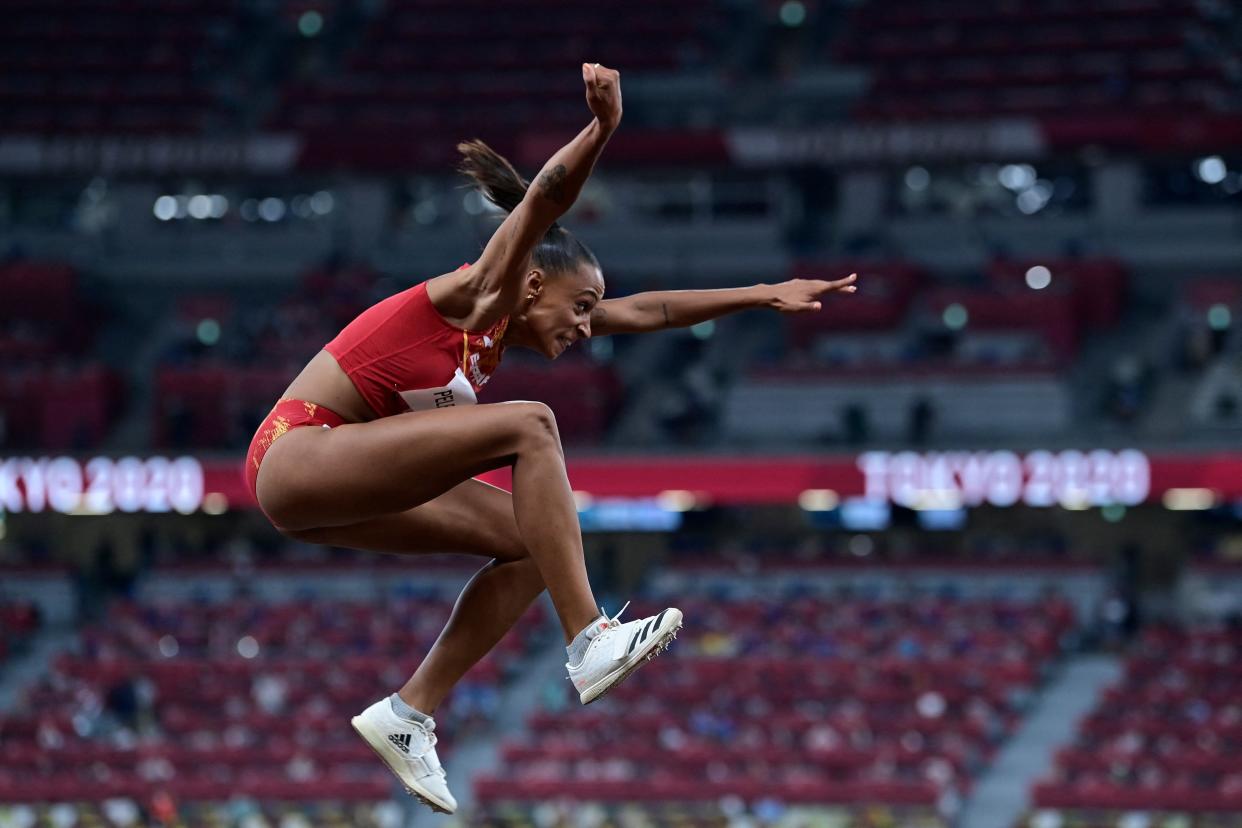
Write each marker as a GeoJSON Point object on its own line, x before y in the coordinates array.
{"type": "Point", "coordinates": [1143, 333]}
{"type": "Point", "coordinates": [57, 600]}
{"type": "Point", "coordinates": [640, 371]}
{"type": "Point", "coordinates": [1003, 794]}
{"type": "Point", "coordinates": [136, 359]}
{"type": "Point", "coordinates": [35, 662]}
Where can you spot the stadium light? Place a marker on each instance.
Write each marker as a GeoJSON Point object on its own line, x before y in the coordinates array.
{"type": "Point", "coordinates": [860, 546]}
{"type": "Point", "coordinates": [1219, 317]}
{"type": "Point", "coordinates": [1047, 819]}
{"type": "Point", "coordinates": [1034, 198]}
{"type": "Point", "coordinates": [1189, 500]}
{"type": "Point", "coordinates": [793, 13]}
{"type": "Point", "coordinates": [1211, 170]}
{"type": "Point", "coordinates": [955, 317]}
{"type": "Point", "coordinates": [917, 179]}
{"type": "Point", "coordinates": [310, 23]}
{"type": "Point", "coordinates": [322, 203]}
{"type": "Point", "coordinates": [271, 209]}
{"type": "Point", "coordinates": [819, 500]}
{"type": "Point", "coordinates": [472, 203]}
{"type": "Point", "coordinates": [1016, 177]}
{"type": "Point", "coordinates": [426, 211]}
{"type": "Point", "coordinates": [208, 332]}
{"type": "Point", "coordinates": [165, 208]}
{"type": "Point", "coordinates": [680, 500]}
{"type": "Point", "coordinates": [199, 207]}
{"type": "Point", "coordinates": [1038, 277]}
{"type": "Point", "coordinates": [247, 647]}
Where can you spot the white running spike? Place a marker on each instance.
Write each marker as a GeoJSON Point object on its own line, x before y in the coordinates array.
{"type": "Point", "coordinates": [630, 647]}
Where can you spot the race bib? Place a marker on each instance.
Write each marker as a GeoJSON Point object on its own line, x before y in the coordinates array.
{"type": "Point", "coordinates": [457, 392]}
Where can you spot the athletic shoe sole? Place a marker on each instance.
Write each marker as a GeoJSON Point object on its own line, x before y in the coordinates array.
{"type": "Point", "coordinates": [649, 651]}
{"type": "Point", "coordinates": [412, 788]}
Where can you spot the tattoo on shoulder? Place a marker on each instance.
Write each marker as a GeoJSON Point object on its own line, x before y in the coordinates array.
{"type": "Point", "coordinates": [552, 184]}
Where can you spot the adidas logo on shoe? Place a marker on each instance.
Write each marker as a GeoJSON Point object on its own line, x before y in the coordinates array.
{"type": "Point", "coordinates": [401, 741]}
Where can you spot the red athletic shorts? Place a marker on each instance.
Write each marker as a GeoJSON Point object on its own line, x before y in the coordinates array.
{"type": "Point", "coordinates": [287, 415]}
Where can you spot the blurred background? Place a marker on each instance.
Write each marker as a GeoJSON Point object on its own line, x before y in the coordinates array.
{"type": "Point", "coordinates": [961, 551]}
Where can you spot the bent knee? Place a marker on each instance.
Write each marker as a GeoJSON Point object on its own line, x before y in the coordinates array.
{"type": "Point", "coordinates": [524, 575]}
{"type": "Point", "coordinates": [510, 549]}
{"type": "Point", "coordinates": [536, 425]}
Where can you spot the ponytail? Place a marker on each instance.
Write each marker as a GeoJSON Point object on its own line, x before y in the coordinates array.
{"type": "Point", "coordinates": [501, 184]}
{"type": "Point", "coordinates": [492, 174]}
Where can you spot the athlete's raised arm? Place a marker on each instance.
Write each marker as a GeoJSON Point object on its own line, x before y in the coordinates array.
{"type": "Point", "coordinates": [498, 273]}
{"type": "Point", "coordinates": [657, 310]}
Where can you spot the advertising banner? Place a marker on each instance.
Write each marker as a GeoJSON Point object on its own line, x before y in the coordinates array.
{"type": "Point", "coordinates": [932, 480]}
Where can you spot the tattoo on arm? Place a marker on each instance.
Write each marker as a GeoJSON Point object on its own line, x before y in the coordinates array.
{"type": "Point", "coordinates": [552, 184]}
{"type": "Point", "coordinates": [664, 308]}
{"type": "Point", "coordinates": [599, 321]}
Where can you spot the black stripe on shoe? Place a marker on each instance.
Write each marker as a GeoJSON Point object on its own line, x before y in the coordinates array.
{"type": "Point", "coordinates": [660, 618]}
{"type": "Point", "coordinates": [633, 641]}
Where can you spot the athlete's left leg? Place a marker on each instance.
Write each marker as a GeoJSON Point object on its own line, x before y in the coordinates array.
{"type": "Point", "coordinates": [474, 518]}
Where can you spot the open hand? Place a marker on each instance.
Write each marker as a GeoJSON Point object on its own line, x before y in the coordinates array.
{"type": "Point", "coordinates": [603, 93]}
{"type": "Point", "coordinates": [801, 295]}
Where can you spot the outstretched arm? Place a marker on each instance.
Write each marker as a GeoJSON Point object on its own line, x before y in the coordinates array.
{"type": "Point", "coordinates": [662, 309]}
{"type": "Point", "coordinates": [498, 272]}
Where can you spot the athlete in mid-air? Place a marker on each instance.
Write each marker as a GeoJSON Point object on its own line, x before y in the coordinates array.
{"type": "Point", "coordinates": [376, 443]}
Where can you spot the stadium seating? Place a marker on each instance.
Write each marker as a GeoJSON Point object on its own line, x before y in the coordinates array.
{"type": "Point", "coordinates": [1166, 738]}
{"type": "Point", "coordinates": [1085, 295]}
{"type": "Point", "coordinates": [18, 621]}
{"type": "Point", "coordinates": [208, 701]}
{"type": "Point", "coordinates": [52, 392]}
{"type": "Point", "coordinates": [852, 701]}
{"type": "Point", "coordinates": [453, 69]}
{"type": "Point", "coordinates": [933, 58]}
{"type": "Point", "coordinates": [213, 391]}
{"type": "Point", "coordinates": [583, 394]}
{"type": "Point", "coordinates": [704, 814]}
{"type": "Point", "coordinates": [75, 66]}
{"type": "Point", "coordinates": [981, 357]}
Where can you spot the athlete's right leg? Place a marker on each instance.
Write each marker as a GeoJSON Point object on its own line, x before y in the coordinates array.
{"type": "Point", "coordinates": [313, 478]}
{"type": "Point", "coordinates": [476, 518]}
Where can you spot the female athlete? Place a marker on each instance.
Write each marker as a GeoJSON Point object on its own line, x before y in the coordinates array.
{"type": "Point", "coordinates": [332, 465]}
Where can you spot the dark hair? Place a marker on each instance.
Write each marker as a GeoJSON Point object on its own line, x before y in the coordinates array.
{"type": "Point", "coordinates": [559, 250]}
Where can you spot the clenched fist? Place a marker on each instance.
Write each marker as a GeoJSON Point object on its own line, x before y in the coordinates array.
{"type": "Point", "coordinates": [603, 93]}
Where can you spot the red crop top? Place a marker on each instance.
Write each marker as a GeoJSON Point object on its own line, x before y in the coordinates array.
{"type": "Point", "coordinates": [402, 355]}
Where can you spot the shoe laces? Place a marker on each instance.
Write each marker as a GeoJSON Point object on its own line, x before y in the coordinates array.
{"type": "Point", "coordinates": [615, 621]}
{"type": "Point", "coordinates": [428, 727]}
